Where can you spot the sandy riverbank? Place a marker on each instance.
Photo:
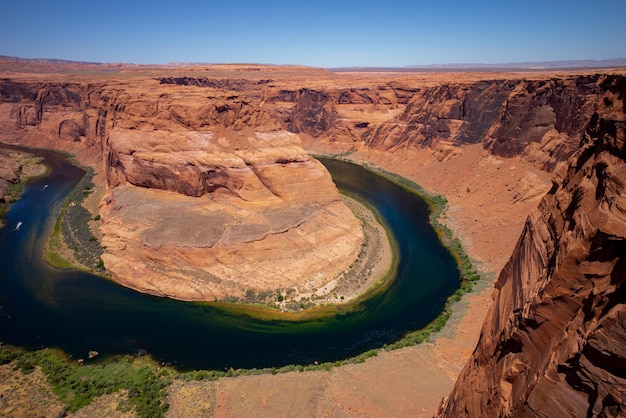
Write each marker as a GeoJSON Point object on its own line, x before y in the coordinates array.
{"type": "Point", "coordinates": [371, 270]}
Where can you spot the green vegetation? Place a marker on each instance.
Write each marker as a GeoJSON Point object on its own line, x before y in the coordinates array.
{"type": "Point", "coordinates": [73, 227]}
{"type": "Point", "coordinates": [469, 276]}
{"type": "Point", "coordinates": [78, 385]}
{"type": "Point", "coordinates": [438, 205]}
{"type": "Point", "coordinates": [14, 190]}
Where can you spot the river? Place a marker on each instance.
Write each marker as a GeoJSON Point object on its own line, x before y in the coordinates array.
{"type": "Point", "coordinates": [41, 306]}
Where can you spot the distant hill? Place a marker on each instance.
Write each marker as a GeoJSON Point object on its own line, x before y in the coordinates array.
{"type": "Point", "coordinates": [59, 65]}
{"type": "Point", "coordinates": [524, 66]}
{"type": "Point", "coordinates": [36, 65]}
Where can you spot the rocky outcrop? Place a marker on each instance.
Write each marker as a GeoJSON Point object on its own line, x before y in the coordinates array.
{"type": "Point", "coordinates": [538, 119]}
{"type": "Point", "coordinates": [207, 197]}
{"type": "Point", "coordinates": [222, 213]}
{"type": "Point", "coordinates": [554, 342]}
{"type": "Point", "coordinates": [318, 112]}
{"type": "Point", "coordinates": [66, 116]}
{"type": "Point", "coordinates": [313, 113]}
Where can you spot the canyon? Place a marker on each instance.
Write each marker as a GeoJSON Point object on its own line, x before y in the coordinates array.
{"type": "Point", "coordinates": [539, 154]}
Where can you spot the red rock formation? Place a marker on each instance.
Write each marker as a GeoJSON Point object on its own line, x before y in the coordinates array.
{"type": "Point", "coordinates": [554, 342]}
{"type": "Point", "coordinates": [540, 119]}
{"type": "Point", "coordinates": [207, 196]}
{"type": "Point", "coordinates": [193, 176]}
{"type": "Point", "coordinates": [66, 116]}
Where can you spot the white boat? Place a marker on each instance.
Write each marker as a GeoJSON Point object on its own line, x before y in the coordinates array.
{"type": "Point", "coordinates": [17, 227]}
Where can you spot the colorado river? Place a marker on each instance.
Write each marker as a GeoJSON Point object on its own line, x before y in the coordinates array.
{"type": "Point", "coordinates": [77, 312]}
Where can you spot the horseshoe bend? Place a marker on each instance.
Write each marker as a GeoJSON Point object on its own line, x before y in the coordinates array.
{"type": "Point", "coordinates": [207, 196]}
{"type": "Point", "coordinates": [205, 190]}
{"type": "Point", "coordinates": [221, 212]}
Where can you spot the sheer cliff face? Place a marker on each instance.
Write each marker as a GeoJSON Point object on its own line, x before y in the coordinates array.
{"type": "Point", "coordinates": [554, 342]}
{"type": "Point", "coordinates": [538, 119]}
{"type": "Point", "coordinates": [68, 116]}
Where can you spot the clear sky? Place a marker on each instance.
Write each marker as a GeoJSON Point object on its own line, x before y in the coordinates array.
{"type": "Point", "coordinates": [319, 33]}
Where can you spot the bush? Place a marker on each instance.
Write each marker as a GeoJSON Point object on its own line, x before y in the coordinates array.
{"type": "Point", "coordinates": [74, 224]}
{"type": "Point", "coordinates": [77, 386]}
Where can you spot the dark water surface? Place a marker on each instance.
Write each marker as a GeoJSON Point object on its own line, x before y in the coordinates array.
{"type": "Point", "coordinates": [45, 307]}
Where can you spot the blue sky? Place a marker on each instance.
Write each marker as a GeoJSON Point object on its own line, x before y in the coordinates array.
{"type": "Point", "coordinates": [318, 33]}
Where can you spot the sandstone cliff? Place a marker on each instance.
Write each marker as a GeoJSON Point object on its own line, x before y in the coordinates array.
{"type": "Point", "coordinates": [538, 119]}
{"type": "Point", "coordinates": [554, 341]}
{"type": "Point", "coordinates": [207, 197]}
{"type": "Point", "coordinates": [60, 115]}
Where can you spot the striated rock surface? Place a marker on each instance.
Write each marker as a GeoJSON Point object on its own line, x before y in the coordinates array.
{"type": "Point", "coordinates": [486, 141]}
{"type": "Point", "coordinates": [209, 199]}
{"type": "Point", "coordinates": [554, 342]}
{"type": "Point", "coordinates": [222, 213]}
{"type": "Point", "coordinates": [59, 115]}
{"type": "Point", "coordinates": [538, 119]}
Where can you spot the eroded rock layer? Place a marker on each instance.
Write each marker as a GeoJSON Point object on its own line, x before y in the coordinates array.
{"type": "Point", "coordinates": [207, 197]}
{"type": "Point", "coordinates": [487, 141]}
{"type": "Point", "coordinates": [222, 213]}
{"type": "Point", "coordinates": [222, 132]}
{"type": "Point", "coordinates": [540, 119]}
{"type": "Point", "coordinates": [554, 342]}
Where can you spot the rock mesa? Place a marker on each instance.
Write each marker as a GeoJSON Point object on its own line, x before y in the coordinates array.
{"type": "Point", "coordinates": [213, 200]}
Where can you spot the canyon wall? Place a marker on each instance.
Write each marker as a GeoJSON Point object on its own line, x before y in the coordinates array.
{"type": "Point", "coordinates": [232, 138]}
{"type": "Point", "coordinates": [554, 342]}
{"type": "Point", "coordinates": [61, 115]}
{"type": "Point", "coordinates": [539, 119]}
